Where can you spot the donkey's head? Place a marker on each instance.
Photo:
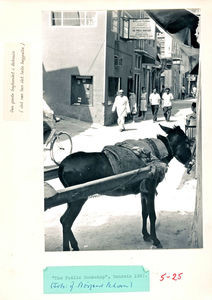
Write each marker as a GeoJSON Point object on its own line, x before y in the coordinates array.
{"type": "Point", "coordinates": [179, 144]}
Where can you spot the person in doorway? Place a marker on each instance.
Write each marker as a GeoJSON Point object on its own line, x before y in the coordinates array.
{"type": "Point", "coordinates": [143, 104]}
{"type": "Point", "coordinates": [191, 118]}
{"type": "Point", "coordinates": [154, 100]}
{"type": "Point", "coordinates": [183, 90]}
{"type": "Point", "coordinates": [121, 106]}
{"type": "Point", "coordinates": [133, 105]}
{"type": "Point", "coordinates": [167, 104]}
{"type": "Point", "coordinates": [190, 129]}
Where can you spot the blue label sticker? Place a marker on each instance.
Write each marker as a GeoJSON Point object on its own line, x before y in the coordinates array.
{"type": "Point", "coordinates": [95, 279]}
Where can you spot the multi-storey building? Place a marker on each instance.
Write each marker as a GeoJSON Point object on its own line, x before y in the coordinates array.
{"type": "Point", "coordinates": [177, 65]}
{"type": "Point", "coordinates": [89, 55]}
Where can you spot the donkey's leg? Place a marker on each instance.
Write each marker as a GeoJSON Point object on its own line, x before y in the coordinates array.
{"type": "Point", "coordinates": [146, 235]}
{"type": "Point", "coordinates": [148, 191]}
{"type": "Point", "coordinates": [152, 217]}
{"type": "Point", "coordinates": [63, 220]}
{"type": "Point", "coordinates": [67, 221]}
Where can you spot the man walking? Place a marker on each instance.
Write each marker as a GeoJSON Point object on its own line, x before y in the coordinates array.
{"type": "Point", "coordinates": [167, 104]}
{"type": "Point", "coordinates": [133, 105]}
{"type": "Point", "coordinates": [121, 105]}
{"type": "Point", "coordinates": [183, 90]}
{"type": "Point", "coordinates": [194, 91]}
{"type": "Point", "coordinates": [154, 99]}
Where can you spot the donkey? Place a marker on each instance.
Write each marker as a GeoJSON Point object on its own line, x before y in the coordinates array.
{"type": "Point", "coordinates": [81, 167]}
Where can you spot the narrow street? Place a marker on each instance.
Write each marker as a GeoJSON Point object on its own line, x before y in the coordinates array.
{"type": "Point", "coordinates": [114, 223]}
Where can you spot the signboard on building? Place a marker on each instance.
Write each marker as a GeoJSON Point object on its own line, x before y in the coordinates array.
{"type": "Point", "coordinates": [142, 29]}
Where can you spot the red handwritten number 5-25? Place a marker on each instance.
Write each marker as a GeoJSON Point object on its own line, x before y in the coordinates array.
{"type": "Point", "coordinates": [174, 276]}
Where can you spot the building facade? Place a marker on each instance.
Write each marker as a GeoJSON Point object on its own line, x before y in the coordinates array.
{"type": "Point", "coordinates": [88, 56]}
{"type": "Point", "coordinates": [74, 63]}
{"type": "Point", "coordinates": [177, 65]}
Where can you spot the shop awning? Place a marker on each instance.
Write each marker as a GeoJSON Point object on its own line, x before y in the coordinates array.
{"type": "Point", "coordinates": [180, 23]}
{"type": "Point", "coordinates": [147, 59]}
{"type": "Point", "coordinates": [195, 70]}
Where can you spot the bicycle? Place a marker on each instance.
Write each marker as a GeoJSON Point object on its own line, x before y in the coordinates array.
{"type": "Point", "coordinates": [60, 146]}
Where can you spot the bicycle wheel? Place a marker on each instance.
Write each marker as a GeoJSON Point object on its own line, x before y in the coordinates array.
{"type": "Point", "coordinates": [61, 147]}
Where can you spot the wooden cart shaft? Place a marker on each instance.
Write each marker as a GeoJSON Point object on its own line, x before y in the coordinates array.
{"type": "Point", "coordinates": [99, 186]}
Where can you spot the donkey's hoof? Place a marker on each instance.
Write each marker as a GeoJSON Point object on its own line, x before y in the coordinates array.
{"type": "Point", "coordinates": [147, 238]}
{"type": "Point", "coordinates": [66, 249]}
{"type": "Point", "coordinates": [158, 246]}
{"type": "Point", "coordinates": [75, 249]}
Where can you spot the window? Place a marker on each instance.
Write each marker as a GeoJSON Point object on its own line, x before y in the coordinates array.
{"type": "Point", "coordinates": [126, 29]}
{"type": "Point", "coordinates": [139, 44]}
{"type": "Point", "coordinates": [124, 26]}
{"type": "Point", "coordinates": [138, 61]}
{"type": "Point", "coordinates": [73, 18]}
{"type": "Point", "coordinates": [56, 18]}
{"type": "Point", "coordinates": [115, 24]}
{"type": "Point", "coordinates": [82, 90]}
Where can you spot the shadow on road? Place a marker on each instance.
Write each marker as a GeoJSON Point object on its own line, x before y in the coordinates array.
{"type": "Point", "coordinates": [124, 233]}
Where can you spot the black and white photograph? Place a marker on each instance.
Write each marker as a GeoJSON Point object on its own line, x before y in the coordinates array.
{"type": "Point", "coordinates": [105, 121]}
{"type": "Point", "coordinates": [122, 129]}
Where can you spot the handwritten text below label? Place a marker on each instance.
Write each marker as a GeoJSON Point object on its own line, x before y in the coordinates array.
{"type": "Point", "coordinates": [95, 279]}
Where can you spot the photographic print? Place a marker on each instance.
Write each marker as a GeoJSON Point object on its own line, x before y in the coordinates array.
{"type": "Point", "coordinates": [122, 129]}
{"type": "Point", "coordinates": [106, 149]}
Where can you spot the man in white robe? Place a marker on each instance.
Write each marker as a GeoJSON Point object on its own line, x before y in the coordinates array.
{"type": "Point", "coordinates": [121, 106]}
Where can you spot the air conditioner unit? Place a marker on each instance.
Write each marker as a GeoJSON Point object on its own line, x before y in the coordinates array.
{"type": "Point", "coordinates": [118, 61]}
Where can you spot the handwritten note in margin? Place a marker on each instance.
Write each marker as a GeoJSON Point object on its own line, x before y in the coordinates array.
{"type": "Point", "coordinates": [16, 82]}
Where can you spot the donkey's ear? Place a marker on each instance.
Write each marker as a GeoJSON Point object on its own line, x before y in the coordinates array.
{"type": "Point", "coordinates": [177, 129]}
{"type": "Point", "coordinates": [166, 129]}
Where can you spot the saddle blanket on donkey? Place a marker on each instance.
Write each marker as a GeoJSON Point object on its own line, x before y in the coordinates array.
{"type": "Point", "coordinates": [134, 154]}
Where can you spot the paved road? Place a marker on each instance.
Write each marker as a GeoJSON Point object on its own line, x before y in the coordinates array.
{"type": "Point", "coordinates": [76, 127]}
{"type": "Point", "coordinates": [108, 223]}
{"type": "Point", "coordinates": [93, 137]}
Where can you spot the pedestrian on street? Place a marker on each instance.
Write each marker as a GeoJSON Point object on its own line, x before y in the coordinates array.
{"type": "Point", "coordinates": [143, 104]}
{"type": "Point", "coordinates": [183, 90]}
{"type": "Point", "coordinates": [194, 91]}
{"type": "Point", "coordinates": [191, 118]}
{"type": "Point", "coordinates": [167, 104]}
{"type": "Point", "coordinates": [154, 99]}
{"type": "Point", "coordinates": [190, 128]}
{"type": "Point", "coordinates": [121, 106]}
{"type": "Point", "coordinates": [133, 105]}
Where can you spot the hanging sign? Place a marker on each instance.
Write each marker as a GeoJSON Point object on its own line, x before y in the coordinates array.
{"type": "Point", "coordinates": [142, 29]}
